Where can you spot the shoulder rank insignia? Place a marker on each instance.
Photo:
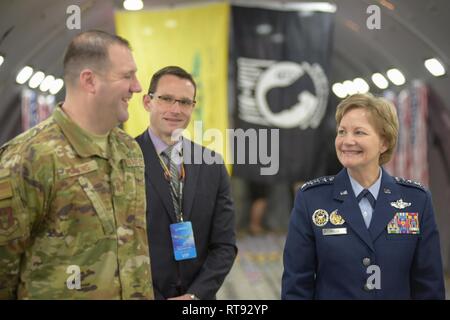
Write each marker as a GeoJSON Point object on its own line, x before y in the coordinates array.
{"type": "Point", "coordinates": [318, 181]}
{"type": "Point", "coordinates": [408, 182]}
{"type": "Point", "coordinates": [336, 218]}
{"type": "Point", "coordinates": [320, 217]}
{"type": "Point", "coordinates": [399, 204]}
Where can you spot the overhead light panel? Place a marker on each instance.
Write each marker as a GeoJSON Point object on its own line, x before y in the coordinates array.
{"type": "Point", "coordinates": [24, 75]}
{"type": "Point", "coordinates": [1, 60]}
{"type": "Point", "coordinates": [380, 81]}
{"type": "Point", "coordinates": [396, 76]}
{"type": "Point", "coordinates": [361, 85]}
{"type": "Point", "coordinates": [349, 87]}
{"type": "Point", "coordinates": [56, 86]}
{"type": "Point", "coordinates": [433, 66]}
{"type": "Point", "coordinates": [339, 90]}
{"type": "Point", "coordinates": [133, 5]}
{"type": "Point", "coordinates": [36, 79]}
{"type": "Point", "coordinates": [47, 83]}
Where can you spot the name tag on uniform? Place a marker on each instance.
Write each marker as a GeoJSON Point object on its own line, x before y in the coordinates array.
{"type": "Point", "coordinates": [183, 241]}
{"type": "Point", "coordinates": [334, 231]}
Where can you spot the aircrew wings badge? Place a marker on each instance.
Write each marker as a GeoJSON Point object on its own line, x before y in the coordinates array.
{"type": "Point", "coordinates": [400, 204]}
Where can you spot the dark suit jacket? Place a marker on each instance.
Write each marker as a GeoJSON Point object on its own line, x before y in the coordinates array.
{"type": "Point", "coordinates": [318, 266]}
{"type": "Point", "coordinates": [208, 205]}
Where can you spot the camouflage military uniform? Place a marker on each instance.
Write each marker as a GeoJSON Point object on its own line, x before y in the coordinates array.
{"type": "Point", "coordinates": [66, 206]}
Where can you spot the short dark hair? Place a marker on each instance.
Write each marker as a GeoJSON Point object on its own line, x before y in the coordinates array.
{"type": "Point", "coordinates": [174, 71]}
{"type": "Point", "coordinates": [89, 50]}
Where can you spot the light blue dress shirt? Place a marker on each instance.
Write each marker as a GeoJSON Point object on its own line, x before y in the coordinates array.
{"type": "Point", "coordinates": [160, 146]}
{"type": "Point", "coordinates": [364, 204]}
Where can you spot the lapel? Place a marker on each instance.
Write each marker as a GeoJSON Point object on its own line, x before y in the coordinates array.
{"type": "Point", "coordinates": [154, 174]}
{"type": "Point", "coordinates": [191, 152]}
{"type": "Point", "coordinates": [384, 212]}
{"type": "Point", "coordinates": [349, 208]}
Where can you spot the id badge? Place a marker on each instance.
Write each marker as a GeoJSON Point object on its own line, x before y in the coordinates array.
{"type": "Point", "coordinates": [183, 241]}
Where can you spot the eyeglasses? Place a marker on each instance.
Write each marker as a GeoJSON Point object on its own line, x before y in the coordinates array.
{"type": "Point", "coordinates": [168, 101]}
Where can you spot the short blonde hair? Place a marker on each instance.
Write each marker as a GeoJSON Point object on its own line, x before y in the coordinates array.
{"type": "Point", "coordinates": [383, 118]}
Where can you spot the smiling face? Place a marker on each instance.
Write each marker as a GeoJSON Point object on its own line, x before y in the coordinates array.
{"type": "Point", "coordinates": [358, 144]}
{"type": "Point", "coordinates": [165, 118]}
{"type": "Point", "coordinates": [117, 85]}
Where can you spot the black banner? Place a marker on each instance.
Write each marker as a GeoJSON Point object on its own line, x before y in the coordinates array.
{"type": "Point", "coordinates": [280, 62]}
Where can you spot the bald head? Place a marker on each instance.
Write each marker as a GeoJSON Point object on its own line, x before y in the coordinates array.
{"type": "Point", "coordinates": [89, 50]}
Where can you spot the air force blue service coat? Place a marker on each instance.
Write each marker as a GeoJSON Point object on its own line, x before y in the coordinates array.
{"type": "Point", "coordinates": [331, 254]}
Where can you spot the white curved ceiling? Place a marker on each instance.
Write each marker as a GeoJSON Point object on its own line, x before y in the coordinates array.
{"type": "Point", "coordinates": [34, 33]}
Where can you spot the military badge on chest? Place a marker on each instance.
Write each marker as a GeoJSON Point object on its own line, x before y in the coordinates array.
{"type": "Point", "coordinates": [336, 219]}
{"type": "Point", "coordinates": [321, 217]}
{"type": "Point", "coordinates": [403, 222]}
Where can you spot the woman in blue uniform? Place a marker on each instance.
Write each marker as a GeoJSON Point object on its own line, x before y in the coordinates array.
{"type": "Point", "coordinates": [363, 234]}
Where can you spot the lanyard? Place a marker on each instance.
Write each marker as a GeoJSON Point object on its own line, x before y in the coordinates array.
{"type": "Point", "coordinates": [177, 197]}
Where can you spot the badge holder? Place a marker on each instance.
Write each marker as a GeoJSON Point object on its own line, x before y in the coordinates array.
{"type": "Point", "coordinates": [183, 241]}
{"type": "Point", "coordinates": [181, 232]}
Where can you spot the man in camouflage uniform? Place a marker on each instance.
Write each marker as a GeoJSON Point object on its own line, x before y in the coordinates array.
{"type": "Point", "coordinates": [72, 197]}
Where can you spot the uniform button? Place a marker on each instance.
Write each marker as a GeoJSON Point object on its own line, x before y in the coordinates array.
{"type": "Point", "coordinates": [367, 288]}
{"type": "Point", "coordinates": [366, 262]}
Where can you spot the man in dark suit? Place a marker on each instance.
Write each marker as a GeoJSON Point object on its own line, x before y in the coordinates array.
{"type": "Point", "coordinates": [186, 199]}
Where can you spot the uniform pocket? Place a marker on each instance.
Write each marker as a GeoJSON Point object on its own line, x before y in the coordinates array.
{"type": "Point", "coordinates": [98, 205]}
{"type": "Point", "coordinates": [9, 224]}
{"type": "Point", "coordinates": [134, 191]}
{"type": "Point", "coordinates": [80, 216]}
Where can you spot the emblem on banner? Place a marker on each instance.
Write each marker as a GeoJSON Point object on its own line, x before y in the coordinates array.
{"type": "Point", "coordinates": [404, 223]}
{"type": "Point", "coordinates": [336, 218]}
{"type": "Point", "coordinates": [399, 204]}
{"type": "Point", "coordinates": [320, 217]}
{"type": "Point", "coordinates": [307, 111]}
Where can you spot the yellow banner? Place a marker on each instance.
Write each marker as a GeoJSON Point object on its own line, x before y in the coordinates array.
{"type": "Point", "coordinates": [194, 38]}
